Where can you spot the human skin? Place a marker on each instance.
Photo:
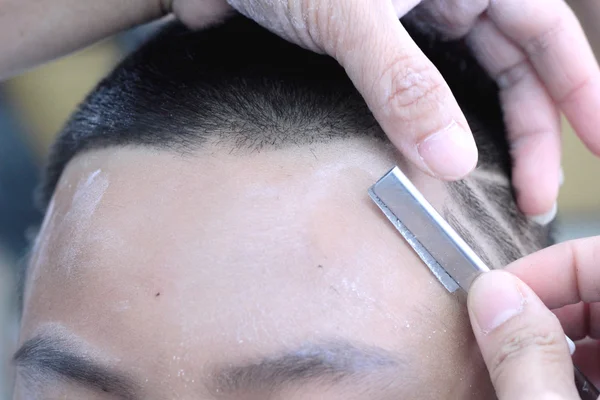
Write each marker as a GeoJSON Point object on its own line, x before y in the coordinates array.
{"type": "Point", "coordinates": [166, 266]}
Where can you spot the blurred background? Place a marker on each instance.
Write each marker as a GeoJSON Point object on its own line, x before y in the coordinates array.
{"type": "Point", "coordinates": [34, 106]}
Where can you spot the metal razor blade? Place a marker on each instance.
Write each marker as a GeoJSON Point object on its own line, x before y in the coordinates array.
{"type": "Point", "coordinates": [441, 248]}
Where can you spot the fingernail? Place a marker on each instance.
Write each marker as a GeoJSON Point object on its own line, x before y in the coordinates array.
{"type": "Point", "coordinates": [545, 219]}
{"type": "Point", "coordinates": [495, 298]}
{"type": "Point", "coordinates": [450, 153]}
{"type": "Point", "coordinates": [561, 177]}
{"type": "Point", "coordinates": [571, 345]}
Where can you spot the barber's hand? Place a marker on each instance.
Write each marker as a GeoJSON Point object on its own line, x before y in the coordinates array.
{"type": "Point", "coordinates": [535, 49]}
{"type": "Point", "coordinates": [522, 341]}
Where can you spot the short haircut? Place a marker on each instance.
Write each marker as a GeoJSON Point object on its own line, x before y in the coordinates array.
{"type": "Point", "coordinates": [240, 85]}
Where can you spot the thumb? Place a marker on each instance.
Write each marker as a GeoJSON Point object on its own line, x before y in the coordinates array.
{"type": "Point", "coordinates": [406, 93]}
{"type": "Point", "coordinates": [522, 342]}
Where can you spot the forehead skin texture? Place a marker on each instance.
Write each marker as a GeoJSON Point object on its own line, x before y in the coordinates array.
{"type": "Point", "coordinates": [168, 267]}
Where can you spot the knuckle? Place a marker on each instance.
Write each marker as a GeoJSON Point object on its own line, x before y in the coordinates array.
{"type": "Point", "coordinates": [455, 20]}
{"type": "Point", "coordinates": [574, 251]}
{"type": "Point", "coordinates": [316, 18]}
{"type": "Point", "coordinates": [514, 74]}
{"type": "Point", "coordinates": [455, 17]}
{"type": "Point", "coordinates": [523, 343]}
{"type": "Point", "coordinates": [539, 43]}
{"type": "Point", "coordinates": [411, 90]}
{"type": "Point", "coordinates": [582, 253]}
{"type": "Point", "coordinates": [573, 92]}
{"type": "Point", "coordinates": [330, 26]}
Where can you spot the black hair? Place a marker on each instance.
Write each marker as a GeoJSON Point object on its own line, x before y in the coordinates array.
{"type": "Point", "coordinates": [237, 83]}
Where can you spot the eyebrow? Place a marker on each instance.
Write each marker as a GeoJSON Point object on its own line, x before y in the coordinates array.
{"type": "Point", "coordinates": [329, 363]}
{"type": "Point", "coordinates": [325, 363]}
{"type": "Point", "coordinates": [48, 356]}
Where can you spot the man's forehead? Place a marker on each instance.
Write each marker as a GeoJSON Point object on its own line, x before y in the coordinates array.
{"type": "Point", "coordinates": [153, 209]}
{"type": "Point", "coordinates": [179, 258]}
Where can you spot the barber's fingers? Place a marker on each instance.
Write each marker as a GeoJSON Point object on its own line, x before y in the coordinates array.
{"type": "Point", "coordinates": [531, 116]}
{"type": "Point", "coordinates": [522, 342]}
{"type": "Point", "coordinates": [566, 273]}
{"type": "Point", "coordinates": [406, 93]}
{"type": "Point", "coordinates": [566, 277]}
{"type": "Point", "coordinates": [554, 44]}
{"type": "Point", "coordinates": [580, 320]}
{"type": "Point", "coordinates": [574, 319]}
{"type": "Point", "coordinates": [197, 14]}
{"type": "Point", "coordinates": [452, 18]}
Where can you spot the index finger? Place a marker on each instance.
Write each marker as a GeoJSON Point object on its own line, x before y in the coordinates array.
{"type": "Point", "coordinates": [566, 273]}
{"type": "Point", "coordinates": [550, 34]}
